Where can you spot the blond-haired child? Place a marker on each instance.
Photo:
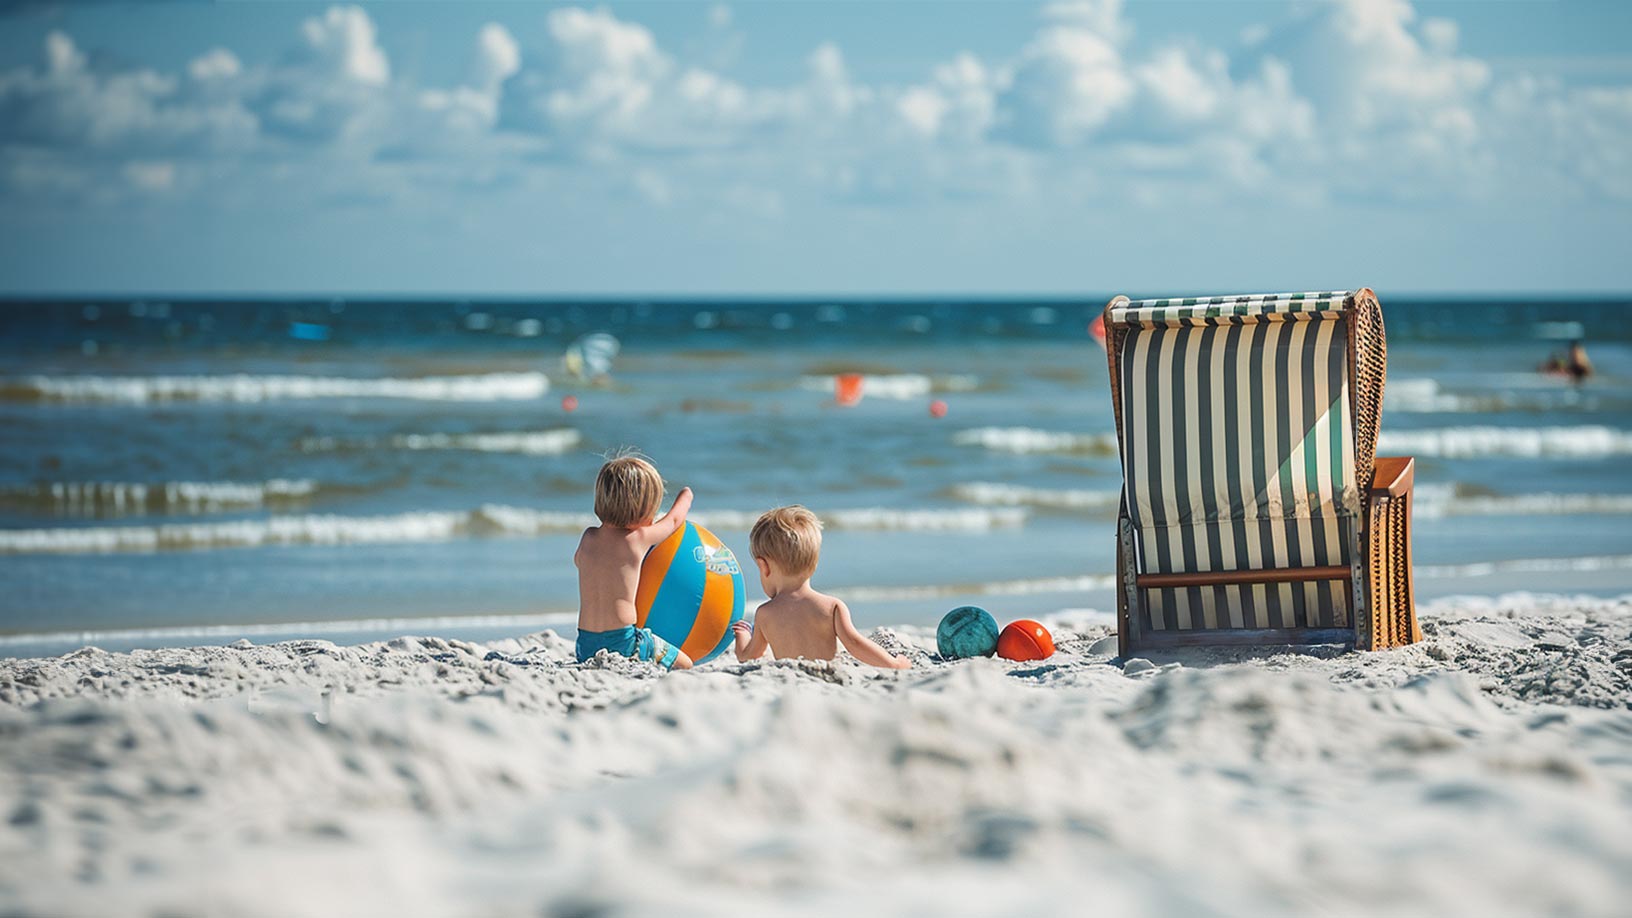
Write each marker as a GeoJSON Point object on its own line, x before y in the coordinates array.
{"type": "Point", "coordinates": [628, 494]}
{"type": "Point", "coordinates": [798, 621]}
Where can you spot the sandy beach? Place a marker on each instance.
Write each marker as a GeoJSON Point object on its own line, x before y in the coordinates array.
{"type": "Point", "coordinates": [1487, 770]}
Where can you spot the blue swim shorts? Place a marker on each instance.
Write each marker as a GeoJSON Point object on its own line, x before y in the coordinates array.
{"type": "Point", "coordinates": [628, 641]}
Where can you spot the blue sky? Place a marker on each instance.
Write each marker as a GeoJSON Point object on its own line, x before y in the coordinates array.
{"type": "Point", "coordinates": [812, 148]}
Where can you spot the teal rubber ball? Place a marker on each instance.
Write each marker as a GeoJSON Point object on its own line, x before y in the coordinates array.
{"type": "Point", "coordinates": [967, 631]}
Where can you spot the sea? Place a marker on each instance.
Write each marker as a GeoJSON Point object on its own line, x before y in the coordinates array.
{"type": "Point", "coordinates": [197, 471]}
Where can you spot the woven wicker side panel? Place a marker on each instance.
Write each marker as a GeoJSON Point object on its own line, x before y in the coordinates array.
{"type": "Point", "coordinates": [1368, 363]}
{"type": "Point", "coordinates": [1393, 605]}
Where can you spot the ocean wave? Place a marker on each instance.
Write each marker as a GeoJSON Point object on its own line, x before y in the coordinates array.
{"type": "Point", "coordinates": [427, 625]}
{"type": "Point", "coordinates": [997, 494]}
{"type": "Point", "coordinates": [1435, 501]}
{"type": "Point", "coordinates": [1526, 566]}
{"type": "Point", "coordinates": [123, 498]}
{"type": "Point", "coordinates": [1025, 587]}
{"type": "Point", "coordinates": [486, 387]}
{"type": "Point", "coordinates": [1031, 440]}
{"type": "Point", "coordinates": [528, 442]}
{"type": "Point", "coordinates": [1426, 396]}
{"type": "Point", "coordinates": [1584, 442]}
{"type": "Point", "coordinates": [897, 385]}
{"type": "Point", "coordinates": [492, 520]}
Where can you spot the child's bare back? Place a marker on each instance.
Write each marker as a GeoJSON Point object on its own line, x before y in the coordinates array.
{"type": "Point", "coordinates": [802, 623]}
{"type": "Point", "coordinates": [628, 494]}
{"type": "Point", "coordinates": [608, 560]}
{"type": "Point", "coordinates": [798, 621]}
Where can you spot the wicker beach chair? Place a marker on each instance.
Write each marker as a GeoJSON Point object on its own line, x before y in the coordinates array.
{"type": "Point", "coordinates": [1254, 510]}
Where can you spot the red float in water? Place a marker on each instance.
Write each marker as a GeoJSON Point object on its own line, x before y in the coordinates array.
{"type": "Point", "coordinates": [847, 389]}
{"type": "Point", "coordinates": [937, 409]}
{"type": "Point", "coordinates": [569, 404]}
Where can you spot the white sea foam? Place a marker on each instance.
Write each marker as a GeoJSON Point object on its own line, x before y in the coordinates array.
{"type": "Point", "coordinates": [1031, 440]}
{"type": "Point", "coordinates": [991, 493]}
{"type": "Point", "coordinates": [1025, 587]}
{"type": "Point", "coordinates": [442, 526]}
{"type": "Point", "coordinates": [1440, 500]}
{"type": "Point", "coordinates": [246, 388]}
{"type": "Point", "coordinates": [181, 635]}
{"type": "Point", "coordinates": [123, 498]}
{"type": "Point", "coordinates": [1426, 395]}
{"type": "Point", "coordinates": [527, 442]}
{"type": "Point", "coordinates": [1583, 442]}
{"type": "Point", "coordinates": [900, 386]}
{"type": "Point", "coordinates": [531, 443]}
{"type": "Point", "coordinates": [1526, 566]}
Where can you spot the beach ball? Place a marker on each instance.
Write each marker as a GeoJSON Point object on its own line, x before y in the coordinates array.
{"type": "Point", "coordinates": [1025, 640]}
{"type": "Point", "coordinates": [569, 404]}
{"type": "Point", "coordinates": [937, 409]}
{"type": "Point", "coordinates": [967, 631]}
{"type": "Point", "coordinates": [691, 592]}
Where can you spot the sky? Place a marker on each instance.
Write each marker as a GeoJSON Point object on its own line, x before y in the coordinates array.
{"type": "Point", "coordinates": [807, 149]}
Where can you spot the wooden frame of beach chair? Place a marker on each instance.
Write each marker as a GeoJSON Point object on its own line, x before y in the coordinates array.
{"type": "Point", "coordinates": [1254, 509]}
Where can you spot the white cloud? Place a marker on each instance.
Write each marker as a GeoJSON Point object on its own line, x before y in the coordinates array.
{"type": "Point", "coordinates": [215, 64]}
{"type": "Point", "coordinates": [958, 104]}
{"type": "Point", "coordinates": [1358, 97]}
{"type": "Point", "coordinates": [497, 58]}
{"type": "Point", "coordinates": [68, 106]}
{"type": "Point", "coordinates": [1069, 81]}
{"type": "Point", "coordinates": [151, 176]}
{"type": "Point", "coordinates": [342, 40]}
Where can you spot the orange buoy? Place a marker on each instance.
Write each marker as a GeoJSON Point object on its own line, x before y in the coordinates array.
{"type": "Point", "coordinates": [847, 389]}
{"type": "Point", "coordinates": [937, 409]}
{"type": "Point", "coordinates": [1025, 640]}
{"type": "Point", "coordinates": [1096, 329]}
{"type": "Point", "coordinates": [569, 404]}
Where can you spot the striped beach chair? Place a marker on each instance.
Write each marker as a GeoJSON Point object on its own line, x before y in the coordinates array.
{"type": "Point", "coordinates": [1254, 510]}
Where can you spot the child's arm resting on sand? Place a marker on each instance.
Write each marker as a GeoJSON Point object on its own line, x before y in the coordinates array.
{"type": "Point", "coordinates": [674, 519]}
{"type": "Point", "coordinates": [860, 647]}
{"type": "Point", "coordinates": [751, 645]}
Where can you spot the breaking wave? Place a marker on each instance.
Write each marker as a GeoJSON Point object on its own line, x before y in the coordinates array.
{"type": "Point", "coordinates": [996, 494]}
{"type": "Point", "coordinates": [492, 520]}
{"type": "Point", "coordinates": [527, 442]}
{"type": "Point", "coordinates": [120, 498]}
{"type": "Point", "coordinates": [1584, 442]}
{"type": "Point", "coordinates": [1031, 440]}
{"type": "Point", "coordinates": [489, 387]}
{"type": "Point", "coordinates": [283, 630]}
{"type": "Point", "coordinates": [1024, 587]}
{"type": "Point", "coordinates": [1456, 500]}
{"type": "Point", "coordinates": [1527, 566]}
{"type": "Point", "coordinates": [897, 385]}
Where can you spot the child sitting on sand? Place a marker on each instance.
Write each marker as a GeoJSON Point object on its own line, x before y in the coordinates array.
{"type": "Point", "coordinates": [628, 493]}
{"type": "Point", "coordinates": [798, 621]}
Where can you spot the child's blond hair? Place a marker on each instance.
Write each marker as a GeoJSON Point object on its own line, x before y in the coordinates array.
{"type": "Point", "coordinates": [790, 536]}
{"type": "Point", "coordinates": [628, 492]}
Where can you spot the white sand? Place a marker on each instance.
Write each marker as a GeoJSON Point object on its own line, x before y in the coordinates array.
{"type": "Point", "coordinates": [1485, 771]}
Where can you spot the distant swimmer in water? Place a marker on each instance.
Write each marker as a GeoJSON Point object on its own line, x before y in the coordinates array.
{"type": "Point", "coordinates": [1573, 363]}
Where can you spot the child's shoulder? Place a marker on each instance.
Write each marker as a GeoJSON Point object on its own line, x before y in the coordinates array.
{"type": "Point", "coordinates": [827, 600]}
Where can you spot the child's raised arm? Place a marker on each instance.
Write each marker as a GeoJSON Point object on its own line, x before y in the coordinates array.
{"type": "Point", "coordinates": [860, 647]}
{"type": "Point", "coordinates": [674, 519]}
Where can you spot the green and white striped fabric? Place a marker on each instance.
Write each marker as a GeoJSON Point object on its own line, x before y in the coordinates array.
{"type": "Point", "coordinates": [1230, 310]}
{"type": "Point", "coordinates": [1238, 453]}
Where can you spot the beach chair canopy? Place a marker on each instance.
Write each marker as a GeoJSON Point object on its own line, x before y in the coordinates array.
{"type": "Point", "coordinates": [1244, 449]}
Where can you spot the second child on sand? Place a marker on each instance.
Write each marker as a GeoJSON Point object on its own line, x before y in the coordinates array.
{"type": "Point", "coordinates": [798, 621]}
{"type": "Point", "coordinates": [628, 494]}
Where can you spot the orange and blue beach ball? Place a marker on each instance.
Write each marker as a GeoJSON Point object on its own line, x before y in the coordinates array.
{"type": "Point", "coordinates": [691, 592]}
